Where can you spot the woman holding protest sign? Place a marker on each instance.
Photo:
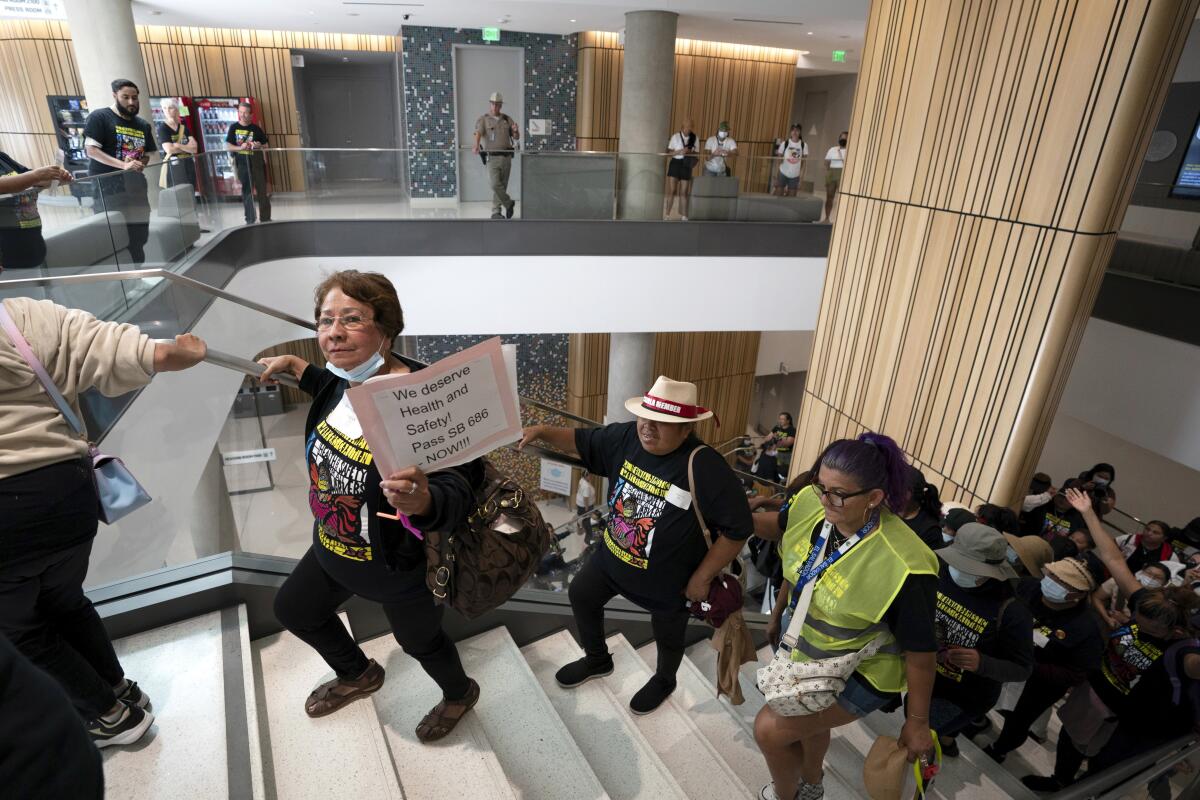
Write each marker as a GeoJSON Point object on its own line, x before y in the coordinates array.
{"type": "Point", "coordinates": [354, 550]}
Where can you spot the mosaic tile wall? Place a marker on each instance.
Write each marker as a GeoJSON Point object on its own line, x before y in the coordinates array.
{"type": "Point", "coordinates": [428, 59]}
{"type": "Point", "coordinates": [541, 375]}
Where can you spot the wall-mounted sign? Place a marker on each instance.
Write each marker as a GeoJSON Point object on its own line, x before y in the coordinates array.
{"type": "Point", "coordinates": [539, 127]}
{"type": "Point", "coordinates": [32, 9]}
{"type": "Point", "coordinates": [491, 34]}
{"type": "Point", "coordinates": [248, 456]}
{"type": "Point", "coordinates": [839, 56]}
{"type": "Point", "coordinates": [555, 477]}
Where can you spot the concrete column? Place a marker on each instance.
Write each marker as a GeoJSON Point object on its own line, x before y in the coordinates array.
{"type": "Point", "coordinates": [106, 48]}
{"type": "Point", "coordinates": [647, 81]}
{"type": "Point", "coordinates": [630, 372]}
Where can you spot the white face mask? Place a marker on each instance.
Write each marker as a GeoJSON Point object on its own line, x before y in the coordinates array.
{"type": "Point", "coordinates": [364, 370]}
{"type": "Point", "coordinates": [1012, 557]}
{"type": "Point", "coordinates": [1054, 591]}
{"type": "Point", "coordinates": [964, 580]}
{"type": "Point", "coordinates": [721, 134]}
{"type": "Point", "coordinates": [947, 537]}
{"type": "Point", "coordinates": [1149, 581]}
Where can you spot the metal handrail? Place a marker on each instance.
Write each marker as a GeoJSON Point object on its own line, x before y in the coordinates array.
{"type": "Point", "coordinates": [1110, 784]}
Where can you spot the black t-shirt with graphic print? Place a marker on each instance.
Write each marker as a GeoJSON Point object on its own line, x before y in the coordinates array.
{"type": "Point", "coordinates": [21, 242]}
{"type": "Point", "coordinates": [653, 542]}
{"type": "Point", "coordinates": [122, 139]}
{"type": "Point", "coordinates": [1134, 683]}
{"type": "Point", "coordinates": [1063, 637]}
{"type": "Point", "coordinates": [240, 134]}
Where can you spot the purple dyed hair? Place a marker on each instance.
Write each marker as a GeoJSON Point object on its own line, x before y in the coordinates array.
{"type": "Point", "coordinates": [874, 461]}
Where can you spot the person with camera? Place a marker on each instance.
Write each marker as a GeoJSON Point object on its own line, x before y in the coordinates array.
{"type": "Point", "coordinates": [496, 137]}
{"type": "Point", "coordinates": [1054, 519]}
{"type": "Point", "coordinates": [356, 550]}
{"type": "Point", "coordinates": [1137, 697]}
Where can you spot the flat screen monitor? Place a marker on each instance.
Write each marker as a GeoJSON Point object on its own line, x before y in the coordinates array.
{"type": "Point", "coordinates": [1187, 180]}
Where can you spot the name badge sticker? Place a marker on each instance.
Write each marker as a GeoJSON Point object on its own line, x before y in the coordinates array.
{"type": "Point", "coordinates": [679, 498]}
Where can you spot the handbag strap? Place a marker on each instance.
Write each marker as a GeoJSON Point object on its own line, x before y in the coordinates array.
{"type": "Point", "coordinates": [696, 497]}
{"type": "Point", "coordinates": [792, 634]}
{"type": "Point", "coordinates": [19, 342]}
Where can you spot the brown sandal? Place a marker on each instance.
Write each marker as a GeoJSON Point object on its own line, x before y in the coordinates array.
{"type": "Point", "coordinates": [442, 718]}
{"type": "Point", "coordinates": [332, 695]}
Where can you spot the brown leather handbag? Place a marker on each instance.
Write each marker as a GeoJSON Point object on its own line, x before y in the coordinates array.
{"type": "Point", "coordinates": [480, 564]}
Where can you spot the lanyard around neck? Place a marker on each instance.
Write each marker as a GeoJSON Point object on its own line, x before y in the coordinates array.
{"type": "Point", "coordinates": [811, 570]}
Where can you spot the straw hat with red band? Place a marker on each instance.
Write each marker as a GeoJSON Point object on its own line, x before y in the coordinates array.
{"type": "Point", "coordinates": [669, 401]}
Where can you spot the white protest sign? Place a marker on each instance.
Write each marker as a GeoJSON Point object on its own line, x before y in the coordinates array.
{"type": "Point", "coordinates": [556, 477]}
{"type": "Point", "coordinates": [460, 408]}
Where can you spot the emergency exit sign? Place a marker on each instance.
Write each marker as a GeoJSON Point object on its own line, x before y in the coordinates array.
{"type": "Point", "coordinates": [491, 34]}
{"type": "Point", "coordinates": [839, 55]}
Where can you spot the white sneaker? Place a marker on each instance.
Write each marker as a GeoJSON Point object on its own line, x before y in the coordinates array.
{"type": "Point", "coordinates": [684, 219]}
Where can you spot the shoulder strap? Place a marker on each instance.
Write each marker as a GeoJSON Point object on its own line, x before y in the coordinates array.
{"type": "Point", "coordinates": [35, 364]}
{"type": "Point", "coordinates": [792, 634]}
{"type": "Point", "coordinates": [696, 497]}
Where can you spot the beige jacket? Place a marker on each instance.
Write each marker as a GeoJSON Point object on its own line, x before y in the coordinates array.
{"type": "Point", "coordinates": [79, 351]}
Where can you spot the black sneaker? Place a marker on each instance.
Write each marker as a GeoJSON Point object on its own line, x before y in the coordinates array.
{"type": "Point", "coordinates": [579, 672]}
{"type": "Point", "coordinates": [132, 725]}
{"type": "Point", "coordinates": [991, 752]}
{"type": "Point", "coordinates": [950, 750]}
{"type": "Point", "coordinates": [977, 726]}
{"type": "Point", "coordinates": [508, 209]}
{"type": "Point", "coordinates": [651, 696]}
{"type": "Point", "coordinates": [1042, 783]}
{"type": "Point", "coordinates": [134, 696]}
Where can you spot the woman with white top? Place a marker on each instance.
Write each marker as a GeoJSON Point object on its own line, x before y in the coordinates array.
{"type": "Point", "coordinates": [679, 170]}
{"type": "Point", "coordinates": [795, 156]}
{"type": "Point", "coordinates": [835, 159]}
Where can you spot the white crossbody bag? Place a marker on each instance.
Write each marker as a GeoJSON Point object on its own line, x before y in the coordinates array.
{"type": "Point", "coordinates": [796, 688]}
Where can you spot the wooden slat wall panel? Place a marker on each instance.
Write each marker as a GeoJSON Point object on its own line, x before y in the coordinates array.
{"type": "Point", "coordinates": [752, 87]}
{"type": "Point", "coordinates": [306, 349]}
{"type": "Point", "coordinates": [587, 374]}
{"type": "Point", "coordinates": [36, 59]}
{"type": "Point", "coordinates": [721, 364]}
{"type": "Point", "coordinates": [993, 152]}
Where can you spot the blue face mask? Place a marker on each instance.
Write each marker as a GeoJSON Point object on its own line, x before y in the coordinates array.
{"type": "Point", "coordinates": [359, 373]}
{"type": "Point", "coordinates": [947, 538]}
{"type": "Point", "coordinates": [1054, 591]}
{"type": "Point", "coordinates": [1012, 556]}
{"type": "Point", "coordinates": [964, 580]}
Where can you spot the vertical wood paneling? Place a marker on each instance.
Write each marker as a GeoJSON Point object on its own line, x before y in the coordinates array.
{"type": "Point", "coordinates": [994, 148]}
{"type": "Point", "coordinates": [751, 87]}
{"type": "Point", "coordinates": [36, 59]}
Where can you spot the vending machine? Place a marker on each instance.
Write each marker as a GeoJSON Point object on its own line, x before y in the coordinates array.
{"type": "Point", "coordinates": [215, 115]}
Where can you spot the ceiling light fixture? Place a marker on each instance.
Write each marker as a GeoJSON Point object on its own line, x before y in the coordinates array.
{"type": "Point", "coordinates": [768, 21]}
{"type": "Point", "coordinates": [810, 33]}
{"type": "Point", "coordinates": [570, 20]}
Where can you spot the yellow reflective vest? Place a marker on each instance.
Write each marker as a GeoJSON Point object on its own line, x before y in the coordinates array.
{"type": "Point", "coordinates": [852, 595]}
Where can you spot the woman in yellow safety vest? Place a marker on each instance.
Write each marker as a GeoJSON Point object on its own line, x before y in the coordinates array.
{"type": "Point", "coordinates": [876, 577]}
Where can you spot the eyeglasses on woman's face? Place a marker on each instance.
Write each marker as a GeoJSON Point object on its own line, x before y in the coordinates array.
{"type": "Point", "coordinates": [837, 498]}
{"type": "Point", "coordinates": [349, 322]}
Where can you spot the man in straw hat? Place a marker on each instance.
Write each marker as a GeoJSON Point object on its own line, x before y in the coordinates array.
{"type": "Point", "coordinates": [983, 635]}
{"type": "Point", "coordinates": [653, 552]}
{"type": "Point", "coordinates": [1067, 645]}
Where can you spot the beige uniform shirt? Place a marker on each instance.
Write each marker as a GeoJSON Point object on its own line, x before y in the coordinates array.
{"type": "Point", "coordinates": [495, 133]}
{"type": "Point", "coordinates": [79, 351]}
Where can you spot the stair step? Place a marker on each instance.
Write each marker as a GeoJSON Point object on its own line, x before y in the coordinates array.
{"type": "Point", "coordinates": [704, 658]}
{"type": "Point", "coordinates": [725, 725]}
{"type": "Point", "coordinates": [698, 768]}
{"type": "Point", "coordinates": [193, 673]}
{"type": "Point", "coordinates": [622, 759]}
{"type": "Point", "coordinates": [465, 753]}
{"type": "Point", "coordinates": [972, 774]}
{"type": "Point", "coordinates": [342, 755]}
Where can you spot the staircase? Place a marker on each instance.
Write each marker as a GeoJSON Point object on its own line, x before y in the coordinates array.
{"type": "Point", "coordinates": [230, 723]}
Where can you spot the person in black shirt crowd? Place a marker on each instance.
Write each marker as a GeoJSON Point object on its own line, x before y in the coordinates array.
{"type": "Point", "coordinates": [1068, 646]}
{"type": "Point", "coordinates": [177, 145]}
{"type": "Point", "coordinates": [954, 519]}
{"type": "Point", "coordinates": [1000, 518]}
{"type": "Point", "coordinates": [924, 509]}
{"type": "Point", "coordinates": [984, 634]}
{"type": "Point", "coordinates": [1128, 704]}
{"type": "Point", "coordinates": [356, 550]}
{"type": "Point", "coordinates": [783, 439]}
{"type": "Point", "coordinates": [653, 551]}
{"type": "Point", "coordinates": [1100, 476]}
{"type": "Point", "coordinates": [118, 140]}
{"type": "Point", "coordinates": [21, 242]}
{"type": "Point", "coordinates": [245, 141]}
{"type": "Point", "coordinates": [1185, 541]}
{"type": "Point", "coordinates": [1053, 519]}
{"type": "Point", "coordinates": [1063, 547]}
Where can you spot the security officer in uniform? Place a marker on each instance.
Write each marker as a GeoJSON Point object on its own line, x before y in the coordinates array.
{"type": "Point", "coordinates": [496, 134]}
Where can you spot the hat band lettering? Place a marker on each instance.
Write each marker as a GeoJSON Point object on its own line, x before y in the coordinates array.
{"type": "Point", "coordinates": [672, 408]}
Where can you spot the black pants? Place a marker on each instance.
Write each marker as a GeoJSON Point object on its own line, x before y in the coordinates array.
{"type": "Point", "coordinates": [252, 174]}
{"type": "Point", "coordinates": [307, 606]}
{"type": "Point", "coordinates": [591, 589]}
{"type": "Point", "coordinates": [1045, 687]}
{"type": "Point", "coordinates": [1124, 743]}
{"type": "Point", "coordinates": [48, 518]}
{"type": "Point", "coordinates": [135, 207]}
{"type": "Point", "coordinates": [44, 750]}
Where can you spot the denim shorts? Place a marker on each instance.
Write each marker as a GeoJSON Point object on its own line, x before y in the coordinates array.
{"type": "Point", "coordinates": [789, 183]}
{"type": "Point", "coordinates": [859, 697]}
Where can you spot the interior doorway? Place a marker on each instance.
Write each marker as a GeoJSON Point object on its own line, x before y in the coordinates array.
{"type": "Point", "coordinates": [348, 100]}
{"type": "Point", "coordinates": [479, 71]}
